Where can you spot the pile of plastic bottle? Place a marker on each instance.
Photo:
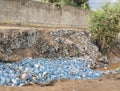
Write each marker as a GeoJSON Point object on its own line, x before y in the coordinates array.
{"type": "Point", "coordinates": [42, 71]}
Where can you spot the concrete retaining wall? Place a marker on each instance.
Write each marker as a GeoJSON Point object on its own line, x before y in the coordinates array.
{"type": "Point", "coordinates": [34, 12]}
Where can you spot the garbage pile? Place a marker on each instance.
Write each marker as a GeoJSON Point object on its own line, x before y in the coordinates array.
{"type": "Point", "coordinates": [68, 44]}
{"type": "Point", "coordinates": [14, 40]}
{"type": "Point", "coordinates": [43, 71]}
{"type": "Point", "coordinates": [16, 44]}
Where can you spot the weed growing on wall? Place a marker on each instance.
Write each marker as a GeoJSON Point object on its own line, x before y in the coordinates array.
{"type": "Point", "coordinates": [77, 3]}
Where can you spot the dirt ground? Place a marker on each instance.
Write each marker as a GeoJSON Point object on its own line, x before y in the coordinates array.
{"type": "Point", "coordinates": [107, 83]}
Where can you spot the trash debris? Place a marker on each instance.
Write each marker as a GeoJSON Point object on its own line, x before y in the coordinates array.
{"type": "Point", "coordinates": [42, 71]}
{"type": "Point", "coordinates": [53, 44]}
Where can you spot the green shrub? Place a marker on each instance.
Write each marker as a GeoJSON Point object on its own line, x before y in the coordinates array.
{"type": "Point", "coordinates": [77, 3]}
{"type": "Point", "coordinates": [105, 26]}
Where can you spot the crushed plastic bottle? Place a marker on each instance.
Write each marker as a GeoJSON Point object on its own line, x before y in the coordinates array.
{"type": "Point", "coordinates": [42, 71]}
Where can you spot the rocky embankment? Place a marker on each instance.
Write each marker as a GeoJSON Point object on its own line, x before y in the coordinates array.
{"type": "Point", "coordinates": [17, 44]}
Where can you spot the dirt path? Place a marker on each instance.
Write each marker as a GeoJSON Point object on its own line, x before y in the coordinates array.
{"type": "Point", "coordinates": [39, 27]}
{"type": "Point", "coordinates": [107, 83]}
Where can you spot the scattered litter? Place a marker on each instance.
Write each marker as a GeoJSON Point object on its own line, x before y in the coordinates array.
{"type": "Point", "coordinates": [42, 71]}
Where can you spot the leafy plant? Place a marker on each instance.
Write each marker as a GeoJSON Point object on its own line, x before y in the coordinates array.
{"type": "Point", "coordinates": [77, 3]}
{"type": "Point", "coordinates": [105, 26]}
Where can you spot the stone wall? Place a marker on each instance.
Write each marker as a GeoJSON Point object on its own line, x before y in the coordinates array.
{"type": "Point", "coordinates": [34, 12]}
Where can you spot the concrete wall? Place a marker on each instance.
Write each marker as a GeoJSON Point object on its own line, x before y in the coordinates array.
{"type": "Point", "coordinates": [34, 12]}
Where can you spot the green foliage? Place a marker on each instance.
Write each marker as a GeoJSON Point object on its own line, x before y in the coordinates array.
{"type": "Point", "coordinates": [105, 26]}
{"type": "Point", "coordinates": [77, 3]}
{"type": "Point", "coordinates": [82, 3]}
